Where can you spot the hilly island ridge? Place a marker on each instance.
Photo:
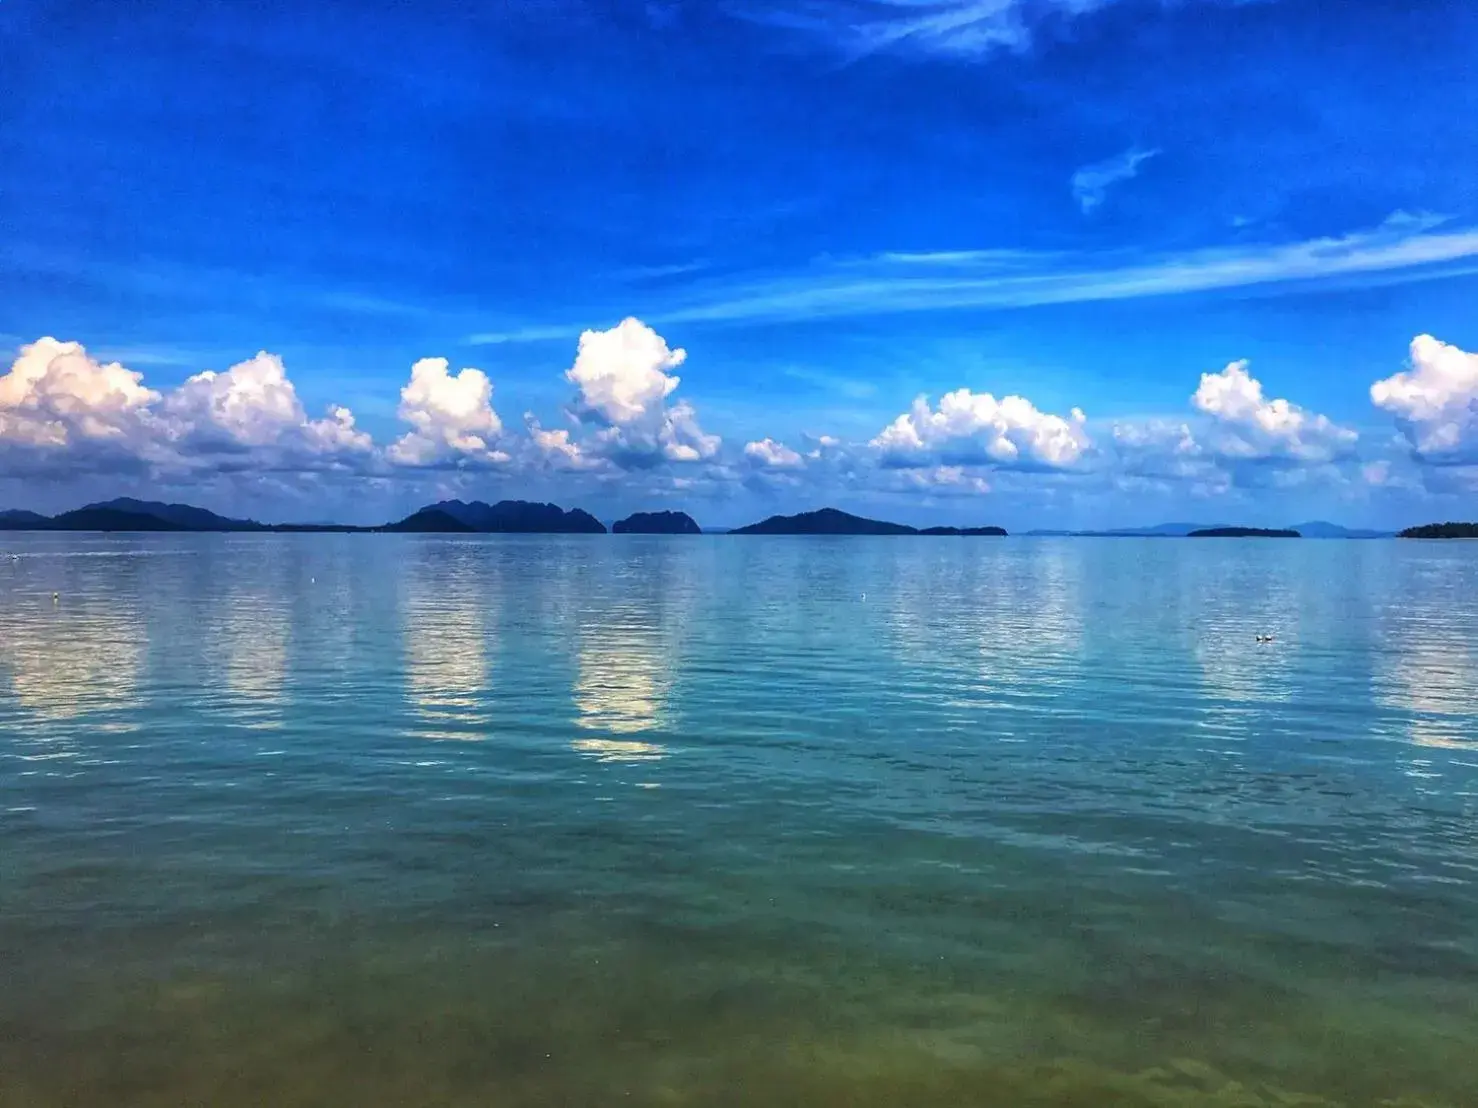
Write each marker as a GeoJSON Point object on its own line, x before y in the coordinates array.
{"type": "Point", "coordinates": [830, 521]}
{"type": "Point", "coordinates": [125, 514]}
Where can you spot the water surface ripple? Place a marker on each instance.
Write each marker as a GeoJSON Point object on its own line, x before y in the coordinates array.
{"type": "Point", "coordinates": [363, 819]}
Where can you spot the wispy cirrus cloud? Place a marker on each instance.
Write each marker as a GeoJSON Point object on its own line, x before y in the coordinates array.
{"type": "Point", "coordinates": [1091, 183]}
{"type": "Point", "coordinates": [517, 335]}
{"type": "Point", "coordinates": [1404, 247]}
{"type": "Point", "coordinates": [953, 28]}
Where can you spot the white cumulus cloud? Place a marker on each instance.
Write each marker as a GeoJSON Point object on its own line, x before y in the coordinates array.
{"type": "Point", "coordinates": [976, 428]}
{"type": "Point", "coordinates": [1247, 425]}
{"type": "Point", "coordinates": [624, 385]}
{"type": "Point", "coordinates": [56, 395]}
{"type": "Point", "coordinates": [63, 410]}
{"type": "Point", "coordinates": [770, 454]}
{"type": "Point", "coordinates": [1435, 401]}
{"type": "Point", "coordinates": [451, 417]}
{"type": "Point", "coordinates": [556, 446]}
{"type": "Point", "coordinates": [1160, 449]}
{"type": "Point", "coordinates": [254, 405]}
{"type": "Point", "coordinates": [622, 373]}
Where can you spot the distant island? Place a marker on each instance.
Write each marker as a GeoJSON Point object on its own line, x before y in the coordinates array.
{"type": "Point", "coordinates": [966, 532]}
{"type": "Point", "coordinates": [1159, 530]}
{"type": "Point", "coordinates": [476, 517]}
{"type": "Point", "coordinates": [1319, 529]}
{"type": "Point", "coordinates": [831, 521]}
{"type": "Point", "coordinates": [827, 521]}
{"type": "Point", "coordinates": [181, 515]}
{"type": "Point", "coordinates": [15, 520]}
{"type": "Point", "coordinates": [511, 517]}
{"type": "Point", "coordinates": [430, 521]}
{"type": "Point", "coordinates": [657, 523]}
{"type": "Point", "coordinates": [127, 514]}
{"type": "Point", "coordinates": [1314, 529]}
{"type": "Point", "coordinates": [450, 516]}
{"type": "Point", "coordinates": [1244, 533]}
{"type": "Point", "coordinates": [1441, 531]}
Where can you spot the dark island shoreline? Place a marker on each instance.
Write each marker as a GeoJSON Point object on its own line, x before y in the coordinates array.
{"type": "Point", "coordinates": [454, 517]}
{"type": "Point", "coordinates": [521, 517]}
{"type": "Point", "coordinates": [1244, 533]}
{"type": "Point", "coordinates": [1441, 531]}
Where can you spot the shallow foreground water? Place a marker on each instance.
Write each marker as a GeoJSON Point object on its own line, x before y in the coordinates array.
{"type": "Point", "coordinates": [397, 820]}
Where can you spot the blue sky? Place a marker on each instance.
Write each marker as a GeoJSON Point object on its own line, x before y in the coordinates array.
{"type": "Point", "coordinates": [831, 207]}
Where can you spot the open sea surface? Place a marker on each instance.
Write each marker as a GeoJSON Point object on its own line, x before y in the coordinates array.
{"type": "Point", "coordinates": [355, 820]}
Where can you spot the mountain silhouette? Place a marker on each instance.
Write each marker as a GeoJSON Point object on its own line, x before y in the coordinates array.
{"type": "Point", "coordinates": [832, 521]}
{"type": "Point", "coordinates": [185, 516]}
{"type": "Point", "coordinates": [110, 519]}
{"type": "Point", "coordinates": [517, 517]}
{"type": "Point", "coordinates": [15, 519]}
{"type": "Point", "coordinates": [657, 523]}
{"type": "Point", "coordinates": [1320, 529]}
{"type": "Point", "coordinates": [1244, 533]}
{"type": "Point", "coordinates": [979, 532]}
{"type": "Point", "coordinates": [1442, 531]}
{"type": "Point", "coordinates": [431, 521]}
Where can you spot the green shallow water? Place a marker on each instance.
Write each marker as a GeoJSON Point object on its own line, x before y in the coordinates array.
{"type": "Point", "coordinates": [347, 820]}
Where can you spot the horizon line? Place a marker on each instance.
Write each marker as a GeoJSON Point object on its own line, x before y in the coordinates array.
{"type": "Point", "coordinates": [1163, 529]}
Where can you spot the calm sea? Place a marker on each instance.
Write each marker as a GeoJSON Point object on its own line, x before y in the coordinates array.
{"type": "Point", "coordinates": [397, 820]}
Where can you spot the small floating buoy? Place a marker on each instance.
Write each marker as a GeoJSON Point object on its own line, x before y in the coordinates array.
{"type": "Point", "coordinates": [55, 597]}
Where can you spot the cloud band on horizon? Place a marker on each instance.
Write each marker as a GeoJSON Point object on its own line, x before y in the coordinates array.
{"type": "Point", "coordinates": [64, 414]}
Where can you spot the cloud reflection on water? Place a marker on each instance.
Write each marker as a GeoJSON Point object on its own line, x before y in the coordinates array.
{"type": "Point", "coordinates": [444, 628]}
{"type": "Point", "coordinates": [1021, 630]}
{"type": "Point", "coordinates": [1434, 682]}
{"type": "Point", "coordinates": [249, 639]}
{"type": "Point", "coordinates": [75, 658]}
{"type": "Point", "coordinates": [622, 684]}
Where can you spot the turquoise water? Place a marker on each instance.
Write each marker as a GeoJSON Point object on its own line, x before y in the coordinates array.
{"type": "Point", "coordinates": [406, 820]}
